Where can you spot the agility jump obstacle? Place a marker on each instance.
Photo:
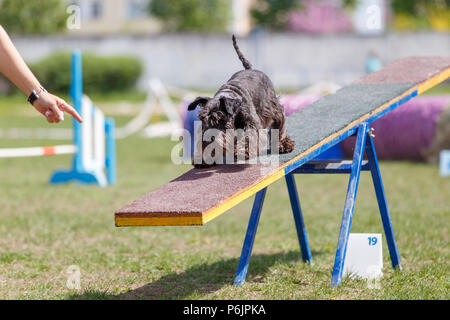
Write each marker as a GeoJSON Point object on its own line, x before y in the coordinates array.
{"type": "Point", "coordinates": [94, 142]}
{"type": "Point", "coordinates": [200, 195]}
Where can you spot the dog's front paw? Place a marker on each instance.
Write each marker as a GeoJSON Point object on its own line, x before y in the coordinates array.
{"type": "Point", "coordinates": [202, 165]}
{"type": "Point", "coordinates": [286, 145]}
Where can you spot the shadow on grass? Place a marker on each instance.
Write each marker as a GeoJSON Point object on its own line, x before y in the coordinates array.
{"type": "Point", "coordinates": [199, 279]}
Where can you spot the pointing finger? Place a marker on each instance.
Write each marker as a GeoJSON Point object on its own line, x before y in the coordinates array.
{"type": "Point", "coordinates": [70, 110]}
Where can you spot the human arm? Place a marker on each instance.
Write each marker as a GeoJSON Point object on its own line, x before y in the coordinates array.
{"type": "Point", "coordinates": [15, 69]}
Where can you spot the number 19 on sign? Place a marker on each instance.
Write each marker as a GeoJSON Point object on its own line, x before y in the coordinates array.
{"type": "Point", "coordinates": [372, 241]}
{"type": "Point", "coordinates": [364, 257]}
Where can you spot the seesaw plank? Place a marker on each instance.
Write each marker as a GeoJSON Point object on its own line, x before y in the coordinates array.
{"type": "Point", "coordinates": [201, 195]}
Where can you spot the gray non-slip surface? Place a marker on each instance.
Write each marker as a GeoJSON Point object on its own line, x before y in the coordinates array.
{"type": "Point", "coordinates": [408, 70]}
{"type": "Point", "coordinates": [321, 119]}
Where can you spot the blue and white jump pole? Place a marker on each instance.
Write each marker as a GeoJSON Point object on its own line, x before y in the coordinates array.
{"type": "Point", "coordinates": [95, 158]}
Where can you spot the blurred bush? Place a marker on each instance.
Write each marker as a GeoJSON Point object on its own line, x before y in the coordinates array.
{"type": "Point", "coordinates": [421, 14]}
{"type": "Point", "coordinates": [192, 15]}
{"type": "Point", "coordinates": [320, 17]}
{"type": "Point", "coordinates": [439, 19]}
{"type": "Point", "coordinates": [276, 14]}
{"type": "Point", "coordinates": [33, 17]}
{"type": "Point", "coordinates": [273, 14]}
{"type": "Point", "coordinates": [100, 74]}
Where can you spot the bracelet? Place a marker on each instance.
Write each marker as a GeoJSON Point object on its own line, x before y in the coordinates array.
{"type": "Point", "coordinates": [35, 95]}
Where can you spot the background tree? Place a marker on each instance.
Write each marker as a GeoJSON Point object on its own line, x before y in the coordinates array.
{"type": "Point", "coordinates": [33, 17]}
{"type": "Point", "coordinates": [421, 14]}
{"type": "Point", "coordinates": [273, 14]}
{"type": "Point", "coordinates": [192, 15]}
{"type": "Point", "coordinates": [417, 7]}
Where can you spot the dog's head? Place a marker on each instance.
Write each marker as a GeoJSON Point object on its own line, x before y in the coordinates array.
{"type": "Point", "coordinates": [217, 115]}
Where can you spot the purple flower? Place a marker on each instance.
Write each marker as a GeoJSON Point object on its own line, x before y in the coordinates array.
{"type": "Point", "coordinates": [319, 17]}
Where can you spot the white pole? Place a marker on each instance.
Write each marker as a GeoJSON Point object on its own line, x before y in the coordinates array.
{"type": "Point", "coordinates": [37, 151]}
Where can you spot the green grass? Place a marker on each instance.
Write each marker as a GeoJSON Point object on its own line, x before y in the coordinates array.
{"type": "Point", "coordinates": [443, 88]}
{"type": "Point", "coordinates": [44, 229]}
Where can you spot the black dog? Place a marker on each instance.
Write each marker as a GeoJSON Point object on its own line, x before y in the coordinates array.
{"type": "Point", "coordinates": [247, 102]}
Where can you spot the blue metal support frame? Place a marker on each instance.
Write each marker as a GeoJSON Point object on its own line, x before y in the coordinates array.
{"type": "Point", "coordinates": [241, 272]}
{"type": "Point", "coordinates": [382, 204]}
{"type": "Point", "coordinates": [298, 217]}
{"type": "Point", "coordinates": [349, 204]}
{"type": "Point", "coordinates": [244, 260]}
{"type": "Point", "coordinates": [363, 143]}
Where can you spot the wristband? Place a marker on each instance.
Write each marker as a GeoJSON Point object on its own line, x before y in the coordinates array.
{"type": "Point", "coordinates": [35, 95]}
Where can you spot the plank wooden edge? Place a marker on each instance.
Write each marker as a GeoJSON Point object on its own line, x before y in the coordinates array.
{"type": "Point", "coordinates": [277, 173]}
{"type": "Point", "coordinates": [245, 193]}
{"type": "Point", "coordinates": [434, 81]}
{"type": "Point", "coordinates": [130, 221]}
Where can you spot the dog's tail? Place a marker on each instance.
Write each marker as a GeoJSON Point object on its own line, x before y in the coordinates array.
{"type": "Point", "coordinates": [245, 62]}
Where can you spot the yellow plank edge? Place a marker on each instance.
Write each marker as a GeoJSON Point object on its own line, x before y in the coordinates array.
{"type": "Point", "coordinates": [434, 81]}
{"type": "Point", "coordinates": [157, 221]}
{"type": "Point", "coordinates": [247, 192]}
{"type": "Point", "coordinates": [230, 202]}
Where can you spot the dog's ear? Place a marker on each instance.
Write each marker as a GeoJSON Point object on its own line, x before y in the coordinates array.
{"type": "Point", "coordinates": [227, 105]}
{"type": "Point", "coordinates": [198, 101]}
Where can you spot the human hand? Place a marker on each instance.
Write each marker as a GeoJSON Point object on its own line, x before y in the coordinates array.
{"type": "Point", "coordinates": [53, 108]}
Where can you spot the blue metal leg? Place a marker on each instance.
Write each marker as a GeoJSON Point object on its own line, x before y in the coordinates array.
{"type": "Point", "coordinates": [244, 260]}
{"type": "Point", "coordinates": [349, 204]}
{"type": "Point", "coordinates": [298, 217]}
{"type": "Point", "coordinates": [382, 204]}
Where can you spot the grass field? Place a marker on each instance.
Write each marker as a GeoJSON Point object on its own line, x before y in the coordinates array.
{"type": "Point", "coordinates": [45, 229]}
